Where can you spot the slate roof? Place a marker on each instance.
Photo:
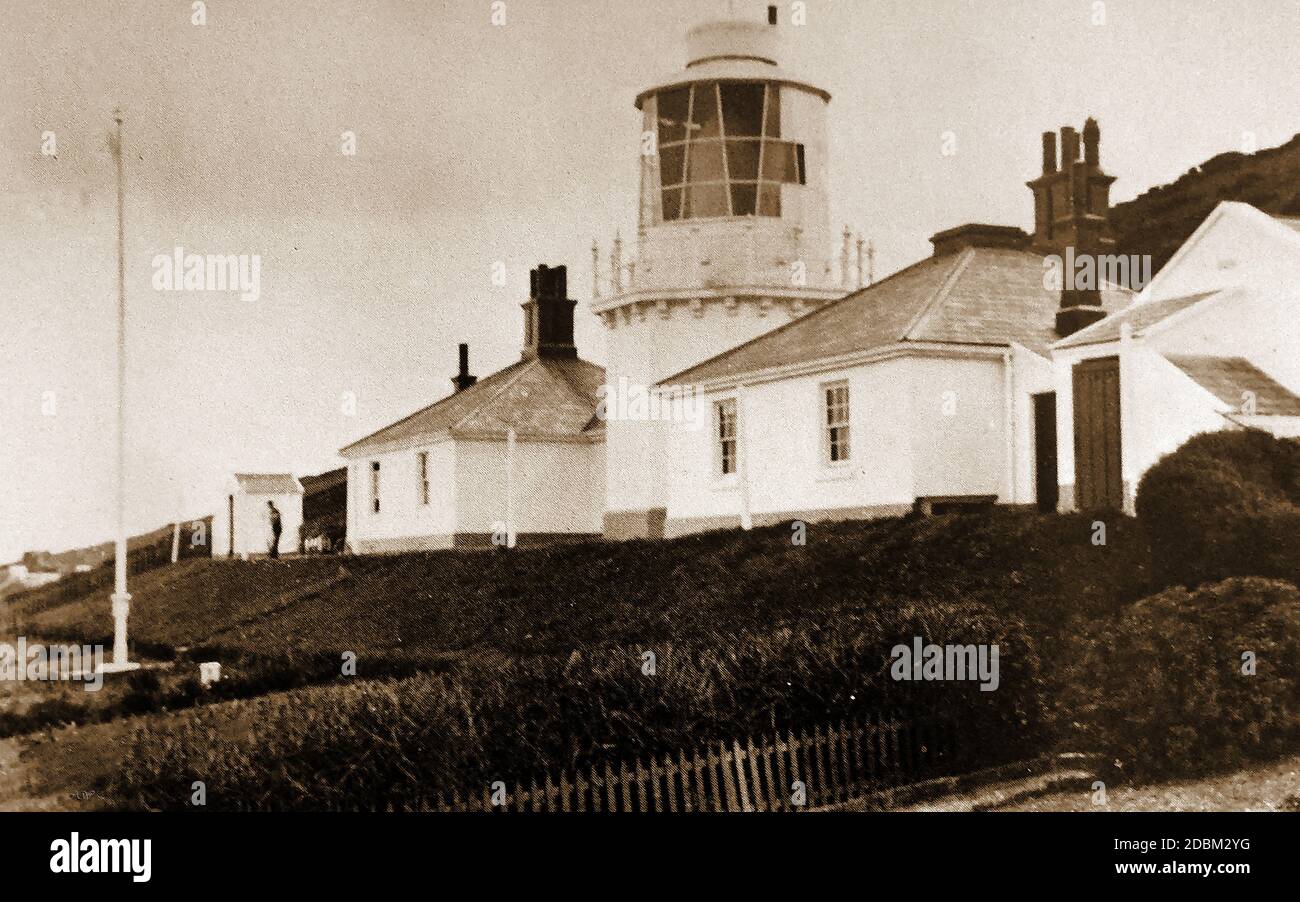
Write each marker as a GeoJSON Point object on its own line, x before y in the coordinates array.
{"type": "Point", "coordinates": [1139, 316]}
{"type": "Point", "coordinates": [268, 483]}
{"type": "Point", "coordinates": [543, 398]}
{"type": "Point", "coordinates": [1229, 378]}
{"type": "Point", "coordinates": [976, 296]}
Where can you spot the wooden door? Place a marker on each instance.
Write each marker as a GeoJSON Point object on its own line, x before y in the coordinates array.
{"type": "Point", "coordinates": [1045, 476]}
{"type": "Point", "coordinates": [1098, 469]}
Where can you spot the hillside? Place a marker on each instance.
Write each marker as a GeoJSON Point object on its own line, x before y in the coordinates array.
{"type": "Point", "coordinates": [1158, 221]}
{"type": "Point", "coordinates": [406, 610]}
{"type": "Point", "coordinates": [144, 552]}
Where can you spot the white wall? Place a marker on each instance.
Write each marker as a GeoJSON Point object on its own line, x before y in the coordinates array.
{"type": "Point", "coordinates": [1160, 408]}
{"type": "Point", "coordinates": [647, 349]}
{"type": "Point", "coordinates": [1260, 324]}
{"type": "Point", "coordinates": [958, 416]}
{"type": "Point", "coordinates": [558, 487]}
{"type": "Point", "coordinates": [1238, 247]}
{"type": "Point", "coordinates": [402, 512]}
{"type": "Point", "coordinates": [253, 523]}
{"type": "Point", "coordinates": [904, 443]}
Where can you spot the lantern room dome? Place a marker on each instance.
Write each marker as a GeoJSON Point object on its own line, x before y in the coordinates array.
{"type": "Point", "coordinates": [731, 39]}
{"type": "Point", "coordinates": [732, 50]}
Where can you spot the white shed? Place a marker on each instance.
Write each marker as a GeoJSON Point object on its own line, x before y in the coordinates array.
{"type": "Point", "coordinates": [242, 525]}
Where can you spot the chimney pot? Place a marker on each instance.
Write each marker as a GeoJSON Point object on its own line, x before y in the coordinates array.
{"type": "Point", "coordinates": [1069, 146]}
{"type": "Point", "coordinates": [463, 379]}
{"type": "Point", "coordinates": [771, 15]}
{"type": "Point", "coordinates": [1091, 142]}
{"type": "Point", "coordinates": [1049, 153]}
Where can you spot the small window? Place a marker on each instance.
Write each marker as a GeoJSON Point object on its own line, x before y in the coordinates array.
{"type": "Point", "coordinates": [726, 436]}
{"type": "Point", "coordinates": [422, 459]}
{"type": "Point", "coordinates": [374, 486]}
{"type": "Point", "coordinates": [836, 400]}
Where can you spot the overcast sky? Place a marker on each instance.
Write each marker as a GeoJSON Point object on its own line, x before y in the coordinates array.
{"type": "Point", "coordinates": [476, 144]}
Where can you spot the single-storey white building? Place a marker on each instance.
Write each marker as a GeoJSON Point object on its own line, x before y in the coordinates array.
{"type": "Point", "coordinates": [929, 389]}
{"type": "Point", "coordinates": [516, 457]}
{"type": "Point", "coordinates": [242, 525]}
{"type": "Point", "coordinates": [1213, 342]}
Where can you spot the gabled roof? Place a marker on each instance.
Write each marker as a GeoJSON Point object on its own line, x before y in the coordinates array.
{"type": "Point", "coordinates": [542, 399]}
{"type": "Point", "coordinates": [268, 483]}
{"type": "Point", "coordinates": [976, 296]}
{"type": "Point", "coordinates": [1289, 221]}
{"type": "Point", "coordinates": [1230, 378]}
{"type": "Point", "coordinates": [1140, 316]}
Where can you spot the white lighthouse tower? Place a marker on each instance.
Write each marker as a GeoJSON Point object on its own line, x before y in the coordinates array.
{"type": "Point", "coordinates": [733, 239]}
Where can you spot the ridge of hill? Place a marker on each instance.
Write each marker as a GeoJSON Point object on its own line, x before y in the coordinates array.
{"type": "Point", "coordinates": [1159, 220]}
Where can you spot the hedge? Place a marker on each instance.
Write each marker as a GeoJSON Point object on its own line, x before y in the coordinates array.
{"type": "Point", "coordinates": [1224, 504]}
{"type": "Point", "coordinates": [1166, 688]}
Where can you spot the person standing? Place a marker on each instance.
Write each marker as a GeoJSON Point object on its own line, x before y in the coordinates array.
{"type": "Point", "coordinates": [275, 529]}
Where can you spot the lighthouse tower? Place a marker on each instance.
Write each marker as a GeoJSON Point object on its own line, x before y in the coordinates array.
{"type": "Point", "coordinates": [733, 235]}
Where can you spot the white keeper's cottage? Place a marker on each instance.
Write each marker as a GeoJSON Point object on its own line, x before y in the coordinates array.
{"type": "Point", "coordinates": [1213, 342]}
{"type": "Point", "coordinates": [516, 457]}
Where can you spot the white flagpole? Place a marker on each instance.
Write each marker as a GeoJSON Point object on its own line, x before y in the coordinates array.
{"type": "Point", "coordinates": [510, 488]}
{"type": "Point", "coordinates": [121, 598]}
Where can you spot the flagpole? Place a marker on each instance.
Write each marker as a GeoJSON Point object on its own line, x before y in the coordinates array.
{"type": "Point", "coordinates": [121, 598]}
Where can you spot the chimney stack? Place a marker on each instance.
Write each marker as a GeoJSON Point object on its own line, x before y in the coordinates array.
{"type": "Point", "coordinates": [463, 379]}
{"type": "Point", "coordinates": [1049, 153]}
{"type": "Point", "coordinates": [1091, 142]}
{"type": "Point", "coordinates": [1072, 220]}
{"type": "Point", "coordinates": [1069, 146]}
{"type": "Point", "coordinates": [548, 315]}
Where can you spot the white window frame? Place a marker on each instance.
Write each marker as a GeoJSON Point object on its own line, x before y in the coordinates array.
{"type": "Point", "coordinates": [826, 424]}
{"type": "Point", "coordinates": [374, 487]}
{"type": "Point", "coordinates": [718, 440]}
{"type": "Point", "coordinates": [422, 475]}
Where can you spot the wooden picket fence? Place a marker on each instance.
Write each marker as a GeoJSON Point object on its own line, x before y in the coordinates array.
{"type": "Point", "coordinates": [794, 772]}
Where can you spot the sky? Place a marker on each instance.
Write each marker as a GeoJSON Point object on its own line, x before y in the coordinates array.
{"type": "Point", "coordinates": [477, 144]}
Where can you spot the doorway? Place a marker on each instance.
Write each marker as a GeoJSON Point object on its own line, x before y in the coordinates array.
{"type": "Point", "coordinates": [1098, 468]}
{"type": "Point", "coordinates": [1045, 478]}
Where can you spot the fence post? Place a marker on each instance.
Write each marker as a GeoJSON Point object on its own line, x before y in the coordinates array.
{"type": "Point", "coordinates": [684, 773]}
{"type": "Point", "coordinates": [608, 778]}
{"type": "Point", "coordinates": [742, 779]}
{"type": "Point", "coordinates": [624, 803]}
{"type": "Point", "coordinates": [655, 799]}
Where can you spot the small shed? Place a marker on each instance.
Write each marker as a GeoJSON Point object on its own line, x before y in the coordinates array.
{"type": "Point", "coordinates": [242, 526]}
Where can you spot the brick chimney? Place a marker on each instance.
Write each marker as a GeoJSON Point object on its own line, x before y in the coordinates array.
{"type": "Point", "coordinates": [1072, 217]}
{"type": "Point", "coordinates": [548, 315]}
{"type": "Point", "coordinates": [463, 379]}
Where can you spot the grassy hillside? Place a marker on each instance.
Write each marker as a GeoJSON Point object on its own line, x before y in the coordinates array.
{"type": "Point", "coordinates": [415, 609]}
{"type": "Point", "coordinates": [1160, 220]}
{"type": "Point", "coordinates": [144, 553]}
{"type": "Point", "coordinates": [513, 663]}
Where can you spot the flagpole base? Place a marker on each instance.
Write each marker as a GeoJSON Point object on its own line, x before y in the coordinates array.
{"type": "Point", "coordinates": [115, 667]}
{"type": "Point", "coordinates": [121, 610]}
